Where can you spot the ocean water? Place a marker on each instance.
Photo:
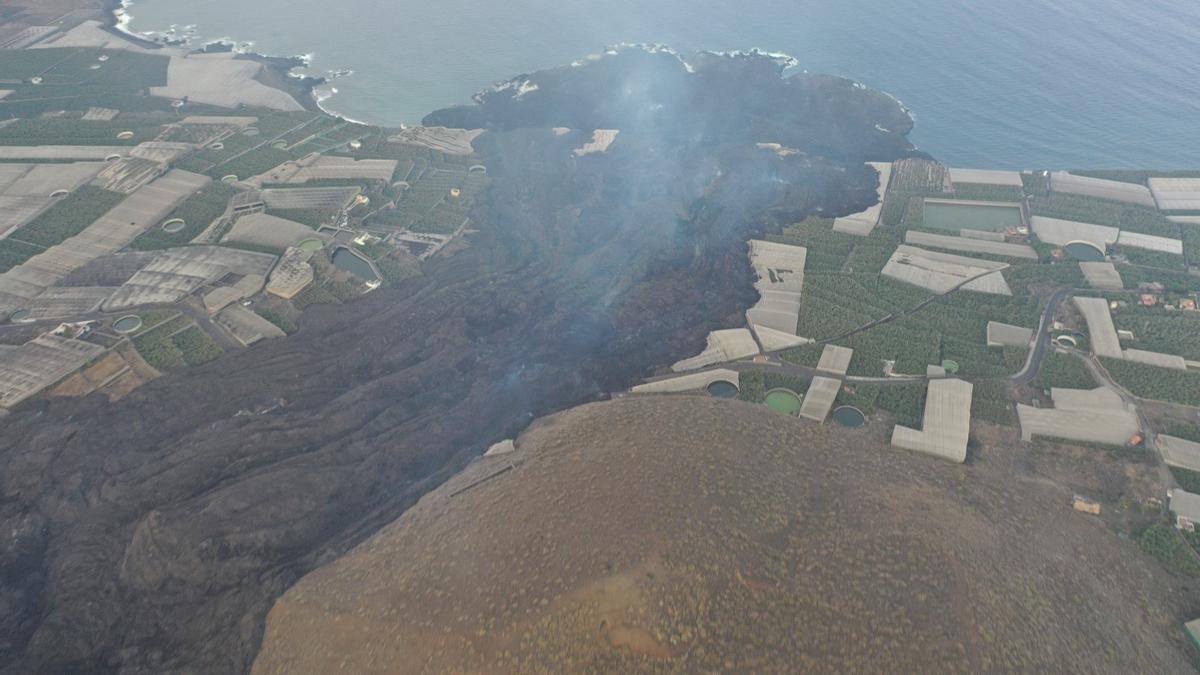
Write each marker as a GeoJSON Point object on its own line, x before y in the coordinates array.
{"type": "Point", "coordinates": [1011, 83]}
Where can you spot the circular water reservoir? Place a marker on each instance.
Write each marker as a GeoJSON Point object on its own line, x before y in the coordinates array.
{"type": "Point", "coordinates": [723, 389]}
{"type": "Point", "coordinates": [250, 131]}
{"type": "Point", "coordinates": [229, 179]}
{"type": "Point", "coordinates": [59, 193]}
{"type": "Point", "coordinates": [849, 416]}
{"type": "Point", "coordinates": [312, 245]}
{"type": "Point", "coordinates": [125, 135]}
{"type": "Point", "coordinates": [1067, 341]}
{"type": "Point", "coordinates": [1084, 252]}
{"type": "Point", "coordinates": [174, 225]}
{"type": "Point", "coordinates": [19, 316]}
{"type": "Point", "coordinates": [217, 146]}
{"type": "Point", "coordinates": [279, 145]}
{"type": "Point", "coordinates": [951, 366]}
{"type": "Point", "coordinates": [127, 324]}
{"type": "Point", "coordinates": [785, 401]}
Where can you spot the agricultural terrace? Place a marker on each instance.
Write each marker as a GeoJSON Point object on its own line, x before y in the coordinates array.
{"type": "Point", "coordinates": [65, 219]}
{"type": "Point", "coordinates": [1155, 383]}
{"type": "Point", "coordinates": [844, 293]}
{"type": "Point", "coordinates": [197, 213]}
{"type": "Point", "coordinates": [76, 79]}
{"type": "Point", "coordinates": [174, 344]}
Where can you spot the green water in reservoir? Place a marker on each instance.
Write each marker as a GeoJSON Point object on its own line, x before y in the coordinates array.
{"type": "Point", "coordinates": [784, 401]}
{"type": "Point", "coordinates": [955, 217]}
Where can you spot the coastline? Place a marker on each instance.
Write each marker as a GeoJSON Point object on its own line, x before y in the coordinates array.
{"type": "Point", "coordinates": [278, 71]}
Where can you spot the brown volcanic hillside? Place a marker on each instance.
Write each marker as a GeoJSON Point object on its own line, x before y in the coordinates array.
{"type": "Point", "coordinates": [693, 535]}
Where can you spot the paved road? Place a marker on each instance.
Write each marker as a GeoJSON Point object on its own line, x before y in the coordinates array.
{"type": "Point", "coordinates": [1041, 340]}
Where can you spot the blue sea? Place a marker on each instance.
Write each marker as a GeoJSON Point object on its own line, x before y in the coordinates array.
{"type": "Point", "coordinates": [997, 83]}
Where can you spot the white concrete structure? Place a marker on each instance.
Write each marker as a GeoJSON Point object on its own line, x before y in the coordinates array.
{"type": "Point", "coordinates": [986, 177]}
{"type": "Point", "coordinates": [722, 346]}
{"type": "Point", "coordinates": [1176, 194]}
{"type": "Point", "coordinates": [835, 360]}
{"type": "Point", "coordinates": [946, 426]}
{"type": "Point", "coordinates": [1131, 193]}
{"type": "Point", "coordinates": [263, 229]}
{"type": "Point", "coordinates": [986, 235]}
{"type": "Point", "coordinates": [322, 167]}
{"type": "Point", "coordinates": [40, 363]}
{"type": "Point", "coordinates": [1184, 504]}
{"type": "Point", "coordinates": [1006, 335]}
{"type": "Point", "coordinates": [1150, 242]}
{"type": "Point", "coordinates": [25, 189]}
{"type": "Point", "coordinates": [110, 233]}
{"type": "Point", "coordinates": [1101, 330]}
{"type": "Point", "coordinates": [310, 197]}
{"type": "Point", "coordinates": [1155, 359]}
{"type": "Point", "coordinates": [861, 223]}
{"type": "Point", "coordinates": [780, 271]}
{"type": "Point", "coordinates": [292, 275]}
{"type": "Point", "coordinates": [175, 273]}
{"type": "Point", "coordinates": [247, 326]}
{"type": "Point", "coordinates": [945, 272]}
{"type": "Point", "coordinates": [692, 382]}
{"type": "Point", "coordinates": [1061, 232]}
{"type": "Point", "coordinates": [1102, 275]}
{"type": "Point", "coordinates": [1088, 415]}
{"type": "Point", "coordinates": [1179, 452]}
{"type": "Point", "coordinates": [972, 244]}
{"type": "Point", "coordinates": [822, 392]}
{"type": "Point", "coordinates": [51, 153]}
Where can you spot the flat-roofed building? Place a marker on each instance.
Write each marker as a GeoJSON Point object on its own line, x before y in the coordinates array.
{"type": "Point", "coordinates": [1101, 330]}
{"type": "Point", "coordinates": [690, 382]}
{"type": "Point", "coordinates": [945, 272]}
{"type": "Point", "coordinates": [822, 392]}
{"type": "Point", "coordinates": [946, 426]}
{"type": "Point", "coordinates": [1061, 232]}
{"type": "Point", "coordinates": [292, 274]}
{"type": "Point", "coordinates": [1006, 335]}
{"type": "Point", "coordinates": [1179, 452]}
{"type": "Point", "coordinates": [835, 360]}
{"type": "Point", "coordinates": [1186, 507]}
{"type": "Point", "coordinates": [971, 244]}
{"type": "Point", "coordinates": [722, 346]}
{"type": "Point", "coordinates": [1102, 275]}
{"type": "Point", "coordinates": [986, 177]}
{"type": "Point", "coordinates": [1089, 415]}
{"type": "Point", "coordinates": [860, 224]}
{"type": "Point", "coordinates": [1113, 190]}
{"type": "Point", "coordinates": [1155, 359]}
{"type": "Point", "coordinates": [1176, 194]}
{"type": "Point", "coordinates": [1150, 242]}
{"type": "Point", "coordinates": [39, 363]}
{"type": "Point", "coordinates": [780, 271]}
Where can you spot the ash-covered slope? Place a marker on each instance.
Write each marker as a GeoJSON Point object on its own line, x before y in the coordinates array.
{"type": "Point", "coordinates": [693, 535]}
{"type": "Point", "coordinates": [154, 533]}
